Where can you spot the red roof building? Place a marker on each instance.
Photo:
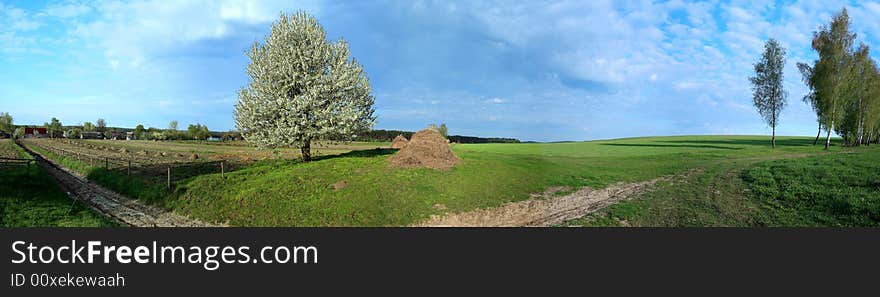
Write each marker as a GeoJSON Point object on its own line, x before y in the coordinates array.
{"type": "Point", "coordinates": [36, 132]}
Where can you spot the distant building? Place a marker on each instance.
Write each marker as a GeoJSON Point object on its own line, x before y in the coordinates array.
{"type": "Point", "coordinates": [129, 135]}
{"type": "Point", "coordinates": [91, 135]}
{"type": "Point", "coordinates": [116, 135]}
{"type": "Point", "coordinates": [228, 136]}
{"type": "Point", "coordinates": [36, 132]}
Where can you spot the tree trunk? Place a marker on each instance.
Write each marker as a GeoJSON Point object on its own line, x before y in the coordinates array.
{"type": "Point", "coordinates": [817, 134]}
{"type": "Point", "coordinates": [859, 134]}
{"type": "Point", "coordinates": [307, 150]}
{"type": "Point", "coordinates": [828, 136]}
{"type": "Point", "coordinates": [773, 139]}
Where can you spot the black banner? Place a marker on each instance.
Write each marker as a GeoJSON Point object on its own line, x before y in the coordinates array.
{"type": "Point", "coordinates": [413, 261]}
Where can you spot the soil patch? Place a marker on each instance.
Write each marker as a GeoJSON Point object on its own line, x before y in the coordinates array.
{"type": "Point", "coordinates": [543, 211]}
{"type": "Point", "coordinates": [339, 185]}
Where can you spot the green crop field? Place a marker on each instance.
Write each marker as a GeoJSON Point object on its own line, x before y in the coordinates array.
{"type": "Point", "coordinates": [290, 193]}
{"type": "Point", "coordinates": [30, 198]}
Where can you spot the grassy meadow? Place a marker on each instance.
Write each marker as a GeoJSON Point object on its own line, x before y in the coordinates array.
{"type": "Point", "coordinates": [741, 181]}
{"type": "Point", "coordinates": [289, 193]}
{"type": "Point", "coordinates": [31, 198]}
{"type": "Point", "coordinates": [835, 189]}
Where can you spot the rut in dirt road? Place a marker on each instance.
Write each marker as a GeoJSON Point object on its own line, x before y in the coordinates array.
{"type": "Point", "coordinates": [123, 209]}
{"type": "Point", "coordinates": [541, 212]}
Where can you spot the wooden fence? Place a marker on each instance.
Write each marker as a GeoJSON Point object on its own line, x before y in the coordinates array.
{"type": "Point", "coordinates": [128, 163]}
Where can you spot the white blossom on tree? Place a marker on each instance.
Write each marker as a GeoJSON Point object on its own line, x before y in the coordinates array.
{"type": "Point", "coordinates": [302, 88]}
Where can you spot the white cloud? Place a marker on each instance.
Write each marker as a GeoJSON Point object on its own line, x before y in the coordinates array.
{"type": "Point", "coordinates": [67, 10]}
{"type": "Point", "coordinates": [496, 100]}
{"type": "Point", "coordinates": [136, 32]}
{"type": "Point", "coordinates": [15, 25]}
{"type": "Point", "coordinates": [17, 19]}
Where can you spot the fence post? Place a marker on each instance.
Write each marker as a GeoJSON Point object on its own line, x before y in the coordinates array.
{"type": "Point", "coordinates": [129, 167]}
{"type": "Point", "coordinates": [169, 177]}
{"type": "Point", "coordinates": [222, 170]}
{"type": "Point", "coordinates": [107, 163]}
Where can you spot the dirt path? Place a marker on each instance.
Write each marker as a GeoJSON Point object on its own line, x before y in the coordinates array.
{"type": "Point", "coordinates": [125, 210]}
{"type": "Point", "coordinates": [539, 212]}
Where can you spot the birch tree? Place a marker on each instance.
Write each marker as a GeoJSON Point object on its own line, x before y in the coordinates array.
{"type": "Point", "coordinates": [810, 98]}
{"type": "Point", "coordinates": [856, 100]}
{"type": "Point", "coordinates": [833, 43]}
{"type": "Point", "coordinates": [872, 127]}
{"type": "Point", "coordinates": [767, 89]}
{"type": "Point", "coordinates": [302, 88]}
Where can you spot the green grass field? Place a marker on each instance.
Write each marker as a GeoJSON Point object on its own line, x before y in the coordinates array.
{"type": "Point", "coordinates": [295, 194]}
{"type": "Point", "coordinates": [731, 189]}
{"type": "Point", "coordinates": [31, 198]}
{"type": "Point", "coordinates": [841, 188]}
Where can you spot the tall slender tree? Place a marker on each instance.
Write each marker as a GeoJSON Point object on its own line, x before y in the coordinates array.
{"type": "Point", "coordinates": [811, 98]}
{"type": "Point", "coordinates": [856, 101]}
{"type": "Point", "coordinates": [768, 92]}
{"type": "Point", "coordinates": [872, 121]}
{"type": "Point", "coordinates": [833, 43]}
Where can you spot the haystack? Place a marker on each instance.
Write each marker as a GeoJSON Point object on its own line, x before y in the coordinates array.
{"type": "Point", "coordinates": [399, 142]}
{"type": "Point", "coordinates": [427, 148]}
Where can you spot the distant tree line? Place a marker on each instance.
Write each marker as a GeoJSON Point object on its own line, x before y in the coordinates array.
{"type": "Point", "coordinates": [388, 135]}
{"type": "Point", "coordinates": [88, 130]}
{"type": "Point", "coordinates": [472, 139]}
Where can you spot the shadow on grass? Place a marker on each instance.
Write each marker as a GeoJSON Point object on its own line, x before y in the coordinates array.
{"type": "Point", "coordinates": [359, 154]}
{"type": "Point", "coordinates": [752, 142]}
{"type": "Point", "coordinates": [674, 146]}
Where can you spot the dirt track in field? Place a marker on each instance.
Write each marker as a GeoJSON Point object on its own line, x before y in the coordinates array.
{"type": "Point", "coordinates": [122, 209]}
{"type": "Point", "coordinates": [541, 212]}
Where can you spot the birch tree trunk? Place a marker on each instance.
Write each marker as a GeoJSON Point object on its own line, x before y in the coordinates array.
{"type": "Point", "coordinates": [773, 138]}
{"type": "Point", "coordinates": [828, 135]}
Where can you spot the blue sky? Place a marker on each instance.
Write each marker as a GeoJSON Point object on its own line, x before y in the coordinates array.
{"type": "Point", "coordinates": [545, 71]}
